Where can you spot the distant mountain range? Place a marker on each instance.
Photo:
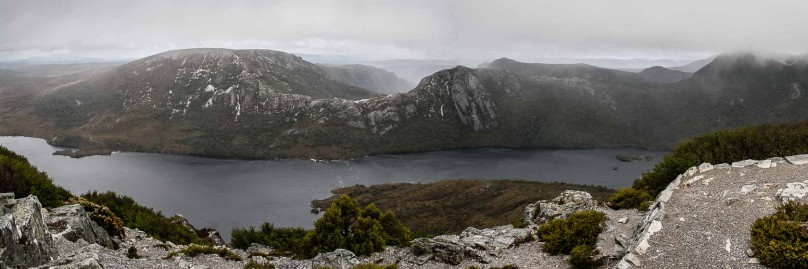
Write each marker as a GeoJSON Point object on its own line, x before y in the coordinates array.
{"type": "Point", "coordinates": [368, 77]}
{"type": "Point", "coordinates": [269, 104]}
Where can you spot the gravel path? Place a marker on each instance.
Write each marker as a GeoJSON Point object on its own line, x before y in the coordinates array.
{"type": "Point", "coordinates": [706, 222]}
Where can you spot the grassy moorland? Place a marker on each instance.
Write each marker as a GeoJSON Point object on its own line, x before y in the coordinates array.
{"type": "Point", "coordinates": [450, 206]}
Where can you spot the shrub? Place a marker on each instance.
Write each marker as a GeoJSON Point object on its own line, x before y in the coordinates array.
{"type": "Point", "coordinates": [780, 240]}
{"type": "Point", "coordinates": [195, 250]}
{"type": "Point", "coordinates": [344, 225]}
{"type": "Point", "coordinates": [132, 253]}
{"type": "Point", "coordinates": [23, 179]}
{"type": "Point", "coordinates": [101, 215]}
{"type": "Point", "coordinates": [363, 231]}
{"type": "Point", "coordinates": [251, 264]}
{"type": "Point", "coordinates": [579, 228]}
{"type": "Point", "coordinates": [629, 198]}
{"type": "Point", "coordinates": [146, 219]}
{"type": "Point", "coordinates": [283, 240]}
{"type": "Point", "coordinates": [760, 142]}
{"type": "Point", "coordinates": [581, 257]}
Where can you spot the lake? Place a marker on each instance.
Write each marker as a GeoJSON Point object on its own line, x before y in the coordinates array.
{"type": "Point", "coordinates": [235, 193]}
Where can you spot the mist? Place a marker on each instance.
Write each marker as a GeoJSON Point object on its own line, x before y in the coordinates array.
{"type": "Point", "coordinates": [670, 31]}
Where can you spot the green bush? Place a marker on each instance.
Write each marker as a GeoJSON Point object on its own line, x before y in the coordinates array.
{"type": "Point", "coordinates": [581, 257]}
{"type": "Point", "coordinates": [101, 215]}
{"type": "Point", "coordinates": [780, 240]}
{"type": "Point", "coordinates": [146, 219]}
{"type": "Point", "coordinates": [283, 240]}
{"type": "Point", "coordinates": [760, 142]}
{"type": "Point", "coordinates": [344, 225]}
{"type": "Point", "coordinates": [251, 264]}
{"type": "Point", "coordinates": [195, 250]}
{"type": "Point", "coordinates": [23, 179]}
{"type": "Point", "coordinates": [630, 198]}
{"type": "Point", "coordinates": [361, 230]}
{"type": "Point", "coordinates": [560, 236]}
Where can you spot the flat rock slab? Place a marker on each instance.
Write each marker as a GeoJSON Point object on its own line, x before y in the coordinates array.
{"type": "Point", "coordinates": [707, 226]}
{"type": "Point", "coordinates": [798, 159]}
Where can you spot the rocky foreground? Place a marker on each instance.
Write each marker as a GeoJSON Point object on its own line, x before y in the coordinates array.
{"type": "Point", "coordinates": [701, 220]}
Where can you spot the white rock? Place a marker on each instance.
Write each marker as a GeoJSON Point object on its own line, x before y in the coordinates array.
{"type": "Point", "coordinates": [692, 171]}
{"type": "Point", "coordinates": [707, 181]}
{"type": "Point", "coordinates": [693, 180]}
{"type": "Point", "coordinates": [798, 159]}
{"type": "Point", "coordinates": [634, 259]}
{"type": "Point", "coordinates": [623, 220]}
{"type": "Point", "coordinates": [743, 163]}
{"type": "Point", "coordinates": [728, 246]}
{"type": "Point", "coordinates": [753, 261]}
{"type": "Point", "coordinates": [705, 167]}
{"type": "Point", "coordinates": [793, 192]}
{"type": "Point", "coordinates": [722, 166]}
{"type": "Point", "coordinates": [746, 189]}
{"type": "Point", "coordinates": [764, 164]}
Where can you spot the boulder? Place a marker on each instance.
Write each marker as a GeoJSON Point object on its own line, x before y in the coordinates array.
{"type": "Point", "coordinates": [338, 259]}
{"type": "Point", "coordinates": [798, 159]}
{"type": "Point", "coordinates": [259, 249]}
{"type": "Point", "coordinates": [24, 238]}
{"type": "Point", "coordinates": [477, 244]}
{"type": "Point", "coordinates": [73, 223]}
{"type": "Point", "coordinates": [794, 191]}
{"type": "Point", "coordinates": [209, 234]}
{"type": "Point", "coordinates": [83, 258]}
{"type": "Point", "coordinates": [566, 203]}
{"type": "Point", "coordinates": [212, 236]}
{"type": "Point", "coordinates": [444, 248]}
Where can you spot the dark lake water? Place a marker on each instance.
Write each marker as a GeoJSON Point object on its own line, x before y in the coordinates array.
{"type": "Point", "coordinates": [234, 193]}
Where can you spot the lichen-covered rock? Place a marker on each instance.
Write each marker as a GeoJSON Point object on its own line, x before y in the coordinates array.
{"type": "Point", "coordinates": [566, 203]}
{"type": "Point", "coordinates": [259, 249]}
{"type": "Point", "coordinates": [338, 259]}
{"type": "Point", "coordinates": [73, 223]}
{"type": "Point", "coordinates": [477, 244]}
{"type": "Point", "coordinates": [794, 191]}
{"type": "Point", "coordinates": [445, 248]}
{"type": "Point", "coordinates": [24, 238]}
{"type": "Point", "coordinates": [84, 258]}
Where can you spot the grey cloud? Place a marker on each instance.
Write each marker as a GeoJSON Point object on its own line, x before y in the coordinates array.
{"type": "Point", "coordinates": [407, 29]}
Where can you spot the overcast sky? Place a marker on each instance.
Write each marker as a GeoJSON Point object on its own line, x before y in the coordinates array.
{"type": "Point", "coordinates": [367, 30]}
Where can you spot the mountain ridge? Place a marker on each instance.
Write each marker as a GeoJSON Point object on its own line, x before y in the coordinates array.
{"type": "Point", "coordinates": [509, 104]}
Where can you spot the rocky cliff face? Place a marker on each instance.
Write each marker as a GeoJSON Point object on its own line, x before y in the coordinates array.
{"type": "Point", "coordinates": [24, 238]}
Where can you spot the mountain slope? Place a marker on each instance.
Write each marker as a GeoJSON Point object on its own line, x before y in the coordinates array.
{"type": "Point", "coordinates": [658, 74]}
{"type": "Point", "coordinates": [238, 111]}
{"type": "Point", "coordinates": [694, 66]}
{"type": "Point", "coordinates": [368, 77]}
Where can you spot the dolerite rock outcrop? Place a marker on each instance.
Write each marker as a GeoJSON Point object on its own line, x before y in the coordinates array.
{"type": "Point", "coordinates": [73, 223]}
{"type": "Point", "coordinates": [24, 238]}
{"type": "Point", "coordinates": [566, 203]}
{"type": "Point", "coordinates": [209, 234]}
